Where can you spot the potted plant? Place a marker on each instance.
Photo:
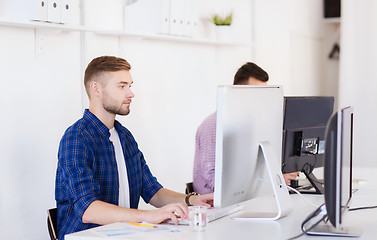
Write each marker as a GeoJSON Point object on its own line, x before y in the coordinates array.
{"type": "Point", "coordinates": [222, 20]}
{"type": "Point", "coordinates": [222, 23]}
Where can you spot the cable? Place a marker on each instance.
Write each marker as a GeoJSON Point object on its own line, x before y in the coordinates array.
{"type": "Point", "coordinates": [311, 216]}
{"type": "Point", "coordinates": [362, 208]}
{"type": "Point", "coordinates": [311, 166]}
{"type": "Point", "coordinates": [301, 234]}
{"type": "Point", "coordinates": [291, 188]}
{"type": "Point", "coordinates": [308, 169]}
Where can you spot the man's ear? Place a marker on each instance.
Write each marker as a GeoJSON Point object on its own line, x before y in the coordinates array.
{"type": "Point", "coordinates": [95, 89]}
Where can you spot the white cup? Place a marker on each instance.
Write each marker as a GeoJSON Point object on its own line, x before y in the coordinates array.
{"type": "Point", "coordinates": [198, 217]}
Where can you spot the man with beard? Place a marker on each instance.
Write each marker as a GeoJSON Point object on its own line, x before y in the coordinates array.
{"type": "Point", "coordinates": [101, 172]}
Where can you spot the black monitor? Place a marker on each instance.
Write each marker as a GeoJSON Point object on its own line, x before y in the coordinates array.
{"type": "Point", "coordinates": [338, 164]}
{"type": "Point", "coordinates": [304, 126]}
{"type": "Point", "coordinates": [338, 178]}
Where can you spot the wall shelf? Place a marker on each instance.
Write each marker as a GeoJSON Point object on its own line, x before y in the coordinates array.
{"type": "Point", "coordinates": [171, 38]}
{"type": "Point", "coordinates": [45, 25]}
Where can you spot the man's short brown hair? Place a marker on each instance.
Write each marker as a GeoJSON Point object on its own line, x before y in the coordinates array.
{"type": "Point", "coordinates": [101, 65]}
{"type": "Point", "coordinates": [248, 70]}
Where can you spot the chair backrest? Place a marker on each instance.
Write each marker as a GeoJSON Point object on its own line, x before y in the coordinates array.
{"type": "Point", "coordinates": [52, 223]}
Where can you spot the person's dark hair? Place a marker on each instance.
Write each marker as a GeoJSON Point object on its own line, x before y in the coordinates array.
{"type": "Point", "coordinates": [101, 65]}
{"type": "Point", "coordinates": [248, 70]}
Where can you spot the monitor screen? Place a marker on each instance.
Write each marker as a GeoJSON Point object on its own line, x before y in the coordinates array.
{"type": "Point", "coordinates": [246, 116]}
{"type": "Point", "coordinates": [338, 164]}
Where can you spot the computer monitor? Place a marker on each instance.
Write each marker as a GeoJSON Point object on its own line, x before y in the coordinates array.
{"type": "Point", "coordinates": [337, 175]}
{"type": "Point", "coordinates": [338, 164]}
{"type": "Point", "coordinates": [304, 126]}
{"type": "Point", "coordinates": [248, 145]}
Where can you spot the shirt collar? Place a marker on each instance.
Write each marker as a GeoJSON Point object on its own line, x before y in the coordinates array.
{"type": "Point", "coordinates": [118, 126]}
{"type": "Point", "coordinates": [104, 131]}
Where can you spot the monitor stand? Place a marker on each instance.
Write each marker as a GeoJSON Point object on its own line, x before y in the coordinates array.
{"type": "Point", "coordinates": [315, 183]}
{"type": "Point", "coordinates": [326, 229]}
{"type": "Point", "coordinates": [320, 227]}
{"type": "Point", "coordinates": [266, 160]}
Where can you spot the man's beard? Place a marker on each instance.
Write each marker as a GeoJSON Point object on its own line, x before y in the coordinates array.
{"type": "Point", "coordinates": [115, 109]}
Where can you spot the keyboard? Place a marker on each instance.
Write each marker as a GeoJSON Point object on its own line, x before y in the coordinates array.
{"type": "Point", "coordinates": [213, 214]}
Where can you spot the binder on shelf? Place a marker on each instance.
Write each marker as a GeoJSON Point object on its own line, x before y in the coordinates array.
{"type": "Point", "coordinates": [53, 11]}
{"type": "Point", "coordinates": [165, 17]}
{"type": "Point", "coordinates": [177, 17]}
{"type": "Point", "coordinates": [35, 10]}
{"type": "Point", "coordinates": [190, 18]}
{"type": "Point", "coordinates": [65, 11]}
{"type": "Point", "coordinates": [147, 17]}
{"type": "Point", "coordinates": [41, 10]}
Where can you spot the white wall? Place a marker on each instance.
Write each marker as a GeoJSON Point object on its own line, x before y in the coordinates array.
{"type": "Point", "coordinates": [175, 85]}
{"type": "Point", "coordinates": [40, 96]}
{"type": "Point", "coordinates": [292, 43]}
{"type": "Point", "coordinates": [358, 74]}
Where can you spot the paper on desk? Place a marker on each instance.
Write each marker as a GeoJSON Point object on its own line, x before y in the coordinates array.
{"type": "Point", "coordinates": [124, 230]}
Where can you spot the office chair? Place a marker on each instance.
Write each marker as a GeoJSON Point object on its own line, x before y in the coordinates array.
{"type": "Point", "coordinates": [52, 223]}
{"type": "Point", "coordinates": [189, 188]}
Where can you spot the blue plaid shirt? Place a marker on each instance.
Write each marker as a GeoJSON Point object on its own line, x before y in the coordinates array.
{"type": "Point", "coordinates": [87, 171]}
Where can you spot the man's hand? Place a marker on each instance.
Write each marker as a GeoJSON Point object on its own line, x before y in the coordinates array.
{"type": "Point", "coordinates": [170, 211]}
{"type": "Point", "coordinates": [290, 176]}
{"type": "Point", "coordinates": [202, 200]}
{"type": "Point", "coordinates": [171, 204]}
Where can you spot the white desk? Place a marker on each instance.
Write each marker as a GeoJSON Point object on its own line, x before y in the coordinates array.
{"type": "Point", "coordinates": [284, 228]}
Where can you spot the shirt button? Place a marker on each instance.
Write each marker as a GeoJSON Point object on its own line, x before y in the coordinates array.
{"type": "Point", "coordinates": [116, 187]}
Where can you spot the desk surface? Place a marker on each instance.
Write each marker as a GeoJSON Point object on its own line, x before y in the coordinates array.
{"type": "Point", "coordinates": [284, 228]}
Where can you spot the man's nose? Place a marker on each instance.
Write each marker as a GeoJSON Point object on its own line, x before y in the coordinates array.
{"type": "Point", "coordinates": [130, 94]}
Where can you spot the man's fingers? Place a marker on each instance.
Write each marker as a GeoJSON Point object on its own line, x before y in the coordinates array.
{"type": "Point", "coordinates": [174, 218]}
{"type": "Point", "coordinates": [178, 210]}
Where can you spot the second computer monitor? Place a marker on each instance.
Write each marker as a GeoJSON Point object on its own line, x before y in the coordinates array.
{"type": "Point", "coordinates": [304, 127]}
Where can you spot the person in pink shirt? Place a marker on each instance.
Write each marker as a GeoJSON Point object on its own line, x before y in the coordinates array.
{"type": "Point", "coordinates": [204, 162]}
